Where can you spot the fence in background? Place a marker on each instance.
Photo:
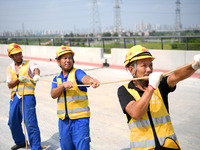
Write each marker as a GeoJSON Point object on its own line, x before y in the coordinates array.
{"type": "Point", "coordinates": [151, 42]}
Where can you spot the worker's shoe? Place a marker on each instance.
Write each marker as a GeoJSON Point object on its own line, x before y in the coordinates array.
{"type": "Point", "coordinates": [43, 147]}
{"type": "Point", "coordinates": [17, 146]}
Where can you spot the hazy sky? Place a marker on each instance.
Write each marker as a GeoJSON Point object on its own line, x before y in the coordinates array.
{"type": "Point", "coordinates": [69, 15]}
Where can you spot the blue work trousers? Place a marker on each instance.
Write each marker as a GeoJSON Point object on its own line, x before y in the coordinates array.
{"type": "Point", "coordinates": [74, 134]}
{"type": "Point", "coordinates": [30, 118]}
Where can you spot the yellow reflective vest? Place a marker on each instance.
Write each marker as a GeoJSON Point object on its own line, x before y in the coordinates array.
{"type": "Point", "coordinates": [29, 86]}
{"type": "Point", "coordinates": [142, 137]}
{"type": "Point", "coordinates": [76, 104]}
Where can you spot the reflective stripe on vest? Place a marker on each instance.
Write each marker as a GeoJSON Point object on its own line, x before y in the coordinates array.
{"type": "Point", "coordinates": [143, 123]}
{"type": "Point", "coordinates": [78, 110]}
{"type": "Point", "coordinates": [29, 86]}
{"type": "Point", "coordinates": [149, 143]}
{"type": "Point", "coordinates": [141, 131]}
{"type": "Point", "coordinates": [77, 100]}
{"type": "Point", "coordinates": [74, 98]}
{"type": "Point", "coordinates": [20, 89]}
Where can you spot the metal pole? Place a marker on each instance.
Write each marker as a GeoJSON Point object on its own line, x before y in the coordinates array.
{"type": "Point", "coordinates": [161, 43]}
{"type": "Point", "coordinates": [134, 42]}
{"type": "Point", "coordinates": [26, 41]}
{"type": "Point", "coordinates": [6, 39]}
{"type": "Point", "coordinates": [103, 45]}
{"type": "Point", "coordinates": [124, 42]}
{"type": "Point", "coordinates": [88, 42]}
{"type": "Point", "coordinates": [39, 41]}
{"type": "Point", "coordinates": [187, 43]}
{"type": "Point", "coordinates": [70, 42]}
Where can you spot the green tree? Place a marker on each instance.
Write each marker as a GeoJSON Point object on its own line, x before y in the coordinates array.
{"type": "Point", "coordinates": [107, 34]}
{"type": "Point", "coordinates": [116, 34]}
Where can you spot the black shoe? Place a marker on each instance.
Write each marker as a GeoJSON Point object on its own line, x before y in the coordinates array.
{"type": "Point", "coordinates": [17, 146]}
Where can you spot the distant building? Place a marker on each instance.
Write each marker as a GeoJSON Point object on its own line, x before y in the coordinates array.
{"type": "Point", "coordinates": [140, 29]}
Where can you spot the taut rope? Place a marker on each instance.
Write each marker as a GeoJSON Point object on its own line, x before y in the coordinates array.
{"type": "Point", "coordinates": [140, 78]}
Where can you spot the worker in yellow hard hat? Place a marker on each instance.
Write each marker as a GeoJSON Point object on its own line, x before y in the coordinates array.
{"type": "Point", "coordinates": [22, 73]}
{"type": "Point", "coordinates": [72, 102]}
{"type": "Point", "coordinates": [145, 101]}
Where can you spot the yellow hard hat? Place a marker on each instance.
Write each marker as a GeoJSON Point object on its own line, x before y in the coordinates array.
{"type": "Point", "coordinates": [63, 50]}
{"type": "Point", "coordinates": [13, 48]}
{"type": "Point", "coordinates": [136, 53]}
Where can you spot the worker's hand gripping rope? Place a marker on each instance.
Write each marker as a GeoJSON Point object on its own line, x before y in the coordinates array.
{"type": "Point", "coordinates": [154, 79]}
{"type": "Point", "coordinates": [196, 64]}
{"type": "Point", "coordinates": [94, 83]}
{"type": "Point", "coordinates": [23, 79]}
{"type": "Point", "coordinates": [36, 78]}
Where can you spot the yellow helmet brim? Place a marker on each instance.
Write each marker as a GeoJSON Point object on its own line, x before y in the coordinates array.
{"type": "Point", "coordinates": [15, 51]}
{"type": "Point", "coordinates": [138, 58]}
{"type": "Point", "coordinates": [64, 52]}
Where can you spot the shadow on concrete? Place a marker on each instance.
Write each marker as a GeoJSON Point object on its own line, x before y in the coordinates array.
{"type": "Point", "coordinates": [52, 143]}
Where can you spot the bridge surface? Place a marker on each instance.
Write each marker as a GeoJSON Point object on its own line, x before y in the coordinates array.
{"type": "Point", "coordinates": [108, 127]}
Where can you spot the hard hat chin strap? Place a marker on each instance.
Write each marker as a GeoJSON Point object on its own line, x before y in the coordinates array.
{"type": "Point", "coordinates": [135, 69]}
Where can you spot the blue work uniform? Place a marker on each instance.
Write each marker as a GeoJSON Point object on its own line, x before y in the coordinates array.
{"type": "Point", "coordinates": [30, 119]}
{"type": "Point", "coordinates": [29, 101]}
{"type": "Point", "coordinates": [74, 133]}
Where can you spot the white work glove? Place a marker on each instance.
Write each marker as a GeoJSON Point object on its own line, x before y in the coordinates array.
{"type": "Point", "coordinates": [36, 78]}
{"type": "Point", "coordinates": [23, 79]}
{"type": "Point", "coordinates": [196, 64]}
{"type": "Point", "coordinates": [154, 79]}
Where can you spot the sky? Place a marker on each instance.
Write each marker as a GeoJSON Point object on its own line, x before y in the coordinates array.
{"type": "Point", "coordinates": [75, 15]}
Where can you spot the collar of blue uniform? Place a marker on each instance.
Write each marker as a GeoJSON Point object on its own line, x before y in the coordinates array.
{"type": "Point", "coordinates": [61, 74]}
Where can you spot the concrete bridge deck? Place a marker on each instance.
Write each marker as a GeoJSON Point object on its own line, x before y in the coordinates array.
{"type": "Point", "coordinates": [109, 130]}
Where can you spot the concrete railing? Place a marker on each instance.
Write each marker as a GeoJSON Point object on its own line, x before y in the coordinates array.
{"type": "Point", "coordinates": [82, 54]}
{"type": "Point", "coordinates": [165, 59]}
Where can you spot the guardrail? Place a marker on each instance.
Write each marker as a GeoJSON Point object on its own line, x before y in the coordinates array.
{"type": "Point", "coordinates": [151, 42]}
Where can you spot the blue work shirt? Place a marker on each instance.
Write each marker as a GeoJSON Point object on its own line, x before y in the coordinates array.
{"type": "Point", "coordinates": [79, 74]}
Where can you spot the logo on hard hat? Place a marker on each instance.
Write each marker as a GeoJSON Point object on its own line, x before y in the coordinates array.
{"type": "Point", "coordinates": [129, 54]}
{"type": "Point", "coordinates": [15, 45]}
{"type": "Point", "coordinates": [64, 48]}
{"type": "Point", "coordinates": [145, 50]}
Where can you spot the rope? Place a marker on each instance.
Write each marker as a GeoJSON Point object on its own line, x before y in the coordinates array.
{"type": "Point", "coordinates": [140, 78]}
{"type": "Point", "coordinates": [43, 147]}
{"type": "Point", "coordinates": [57, 82]}
{"type": "Point", "coordinates": [165, 74]}
{"type": "Point", "coordinates": [53, 74]}
{"type": "Point", "coordinates": [23, 115]}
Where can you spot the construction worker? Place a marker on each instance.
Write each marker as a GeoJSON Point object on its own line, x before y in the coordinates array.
{"type": "Point", "coordinates": [145, 101]}
{"type": "Point", "coordinates": [72, 103]}
{"type": "Point", "coordinates": [19, 75]}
